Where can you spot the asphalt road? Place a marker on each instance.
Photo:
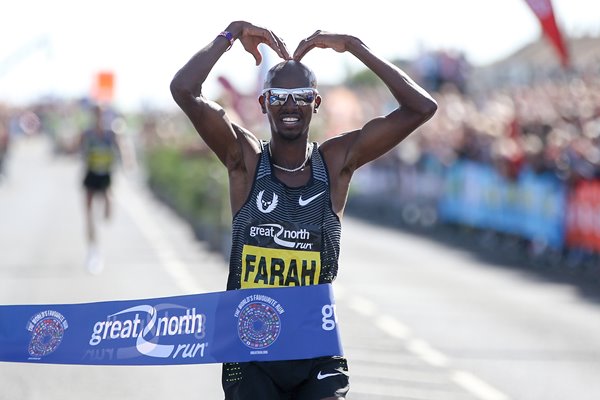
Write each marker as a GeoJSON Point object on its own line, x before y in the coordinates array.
{"type": "Point", "coordinates": [420, 319]}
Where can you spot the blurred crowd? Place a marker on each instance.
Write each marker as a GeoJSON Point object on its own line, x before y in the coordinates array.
{"type": "Point", "coordinates": [550, 125]}
{"type": "Point", "coordinates": [437, 69]}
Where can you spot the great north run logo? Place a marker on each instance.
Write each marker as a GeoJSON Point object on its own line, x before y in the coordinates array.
{"type": "Point", "coordinates": [47, 330]}
{"type": "Point", "coordinates": [259, 324]}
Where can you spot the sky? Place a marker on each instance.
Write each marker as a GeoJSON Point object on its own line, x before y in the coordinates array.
{"type": "Point", "coordinates": [56, 48]}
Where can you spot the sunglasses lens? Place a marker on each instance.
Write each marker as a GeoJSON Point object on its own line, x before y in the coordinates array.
{"type": "Point", "coordinates": [302, 97]}
{"type": "Point", "coordinates": [278, 97]}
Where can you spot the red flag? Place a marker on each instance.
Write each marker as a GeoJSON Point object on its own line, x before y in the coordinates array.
{"type": "Point", "coordinates": [543, 10]}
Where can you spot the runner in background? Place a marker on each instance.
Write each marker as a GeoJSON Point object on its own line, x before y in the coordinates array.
{"type": "Point", "coordinates": [101, 148]}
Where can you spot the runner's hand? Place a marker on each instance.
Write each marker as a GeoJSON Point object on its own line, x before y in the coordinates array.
{"type": "Point", "coordinates": [322, 40]}
{"type": "Point", "coordinates": [252, 35]}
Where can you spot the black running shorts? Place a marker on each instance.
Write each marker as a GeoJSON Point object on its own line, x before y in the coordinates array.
{"type": "Point", "coordinates": [312, 379]}
{"type": "Point", "coordinates": [96, 182]}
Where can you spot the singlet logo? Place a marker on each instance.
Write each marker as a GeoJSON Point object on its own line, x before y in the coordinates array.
{"type": "Point", "coordinates": [303, 202]}
{"type": "Point", "coordinates": [47, 330]}
{"type": "Point", "coordinates": [266, 206]}
{"type": "Point", "coordinates": [282, 236]}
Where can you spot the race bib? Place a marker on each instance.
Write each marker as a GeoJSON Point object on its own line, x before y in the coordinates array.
{"type": "Point", "coordinates": [279, 254]}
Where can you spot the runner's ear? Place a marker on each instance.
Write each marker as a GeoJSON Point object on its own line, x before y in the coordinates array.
{"type": "Point", "coordinates": [317, 104]}
{"type": "Point", "coordinates": [263, 105]}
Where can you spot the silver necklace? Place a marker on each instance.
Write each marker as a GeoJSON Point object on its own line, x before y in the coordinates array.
{"type": "Point", "coordinates": [292, 170]}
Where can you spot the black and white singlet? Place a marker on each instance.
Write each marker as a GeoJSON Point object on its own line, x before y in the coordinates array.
{"type": "Point", "coordinates": [285, 236]}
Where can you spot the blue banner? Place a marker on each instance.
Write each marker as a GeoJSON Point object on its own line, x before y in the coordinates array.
{"type": "Point", "coordinates": [546, 205]}
{"type": "Point", "coordinates": [532, 206]}
{"type": "Point", "coordinates": [231, 326]}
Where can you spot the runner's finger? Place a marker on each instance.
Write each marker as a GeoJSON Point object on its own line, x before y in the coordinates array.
{"type": "Point", "coordinates": [278, 45]}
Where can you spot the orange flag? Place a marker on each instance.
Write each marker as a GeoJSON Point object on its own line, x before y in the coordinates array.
{"type": "Point", "coordinates": [103, 89]}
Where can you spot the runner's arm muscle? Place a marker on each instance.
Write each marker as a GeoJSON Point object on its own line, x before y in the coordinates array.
{"type": "Point", "coordinates": [351, 150]}
{"type": "Point", "coordinates": [228, 141]}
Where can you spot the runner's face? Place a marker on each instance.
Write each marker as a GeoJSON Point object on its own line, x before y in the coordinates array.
{"type": "Point", "coordinates": [290, 121]}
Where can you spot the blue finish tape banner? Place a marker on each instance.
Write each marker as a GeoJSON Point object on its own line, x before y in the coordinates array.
{"type": "Point", "coordinates": [239, 325]}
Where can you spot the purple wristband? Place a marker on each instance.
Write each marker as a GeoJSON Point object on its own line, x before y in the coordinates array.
{"type": "Point", "coordinates": [227, 35]}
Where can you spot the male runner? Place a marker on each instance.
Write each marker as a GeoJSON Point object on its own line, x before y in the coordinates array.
{"type": "Point", "coordinates": [288, 194]}
{"type": "Point", "coordinates": [100, 149]}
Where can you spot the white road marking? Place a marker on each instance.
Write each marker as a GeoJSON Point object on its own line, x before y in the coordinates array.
{"type": "Point", "coordinates": [477, 387]}
{"type": "Point", "coordinates": [393, 327]}
{"type": "Point", "coordinates": [172, 264]}
{"type": "Point", "coordinates": [419, 347]}
{"type": "Point", "coordinates": [425, 351]}
{"type": "Point", "coordinates": [362, 306]}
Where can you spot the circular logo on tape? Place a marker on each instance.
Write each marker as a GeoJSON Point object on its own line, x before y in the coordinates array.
{"type": "Point", "coordinates": [47, 330]}
{"type": "Point", "coordinates": [258, 325]}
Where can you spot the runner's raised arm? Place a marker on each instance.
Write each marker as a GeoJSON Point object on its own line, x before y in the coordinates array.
{"type": "Point", "coordinates": [209, 118]}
